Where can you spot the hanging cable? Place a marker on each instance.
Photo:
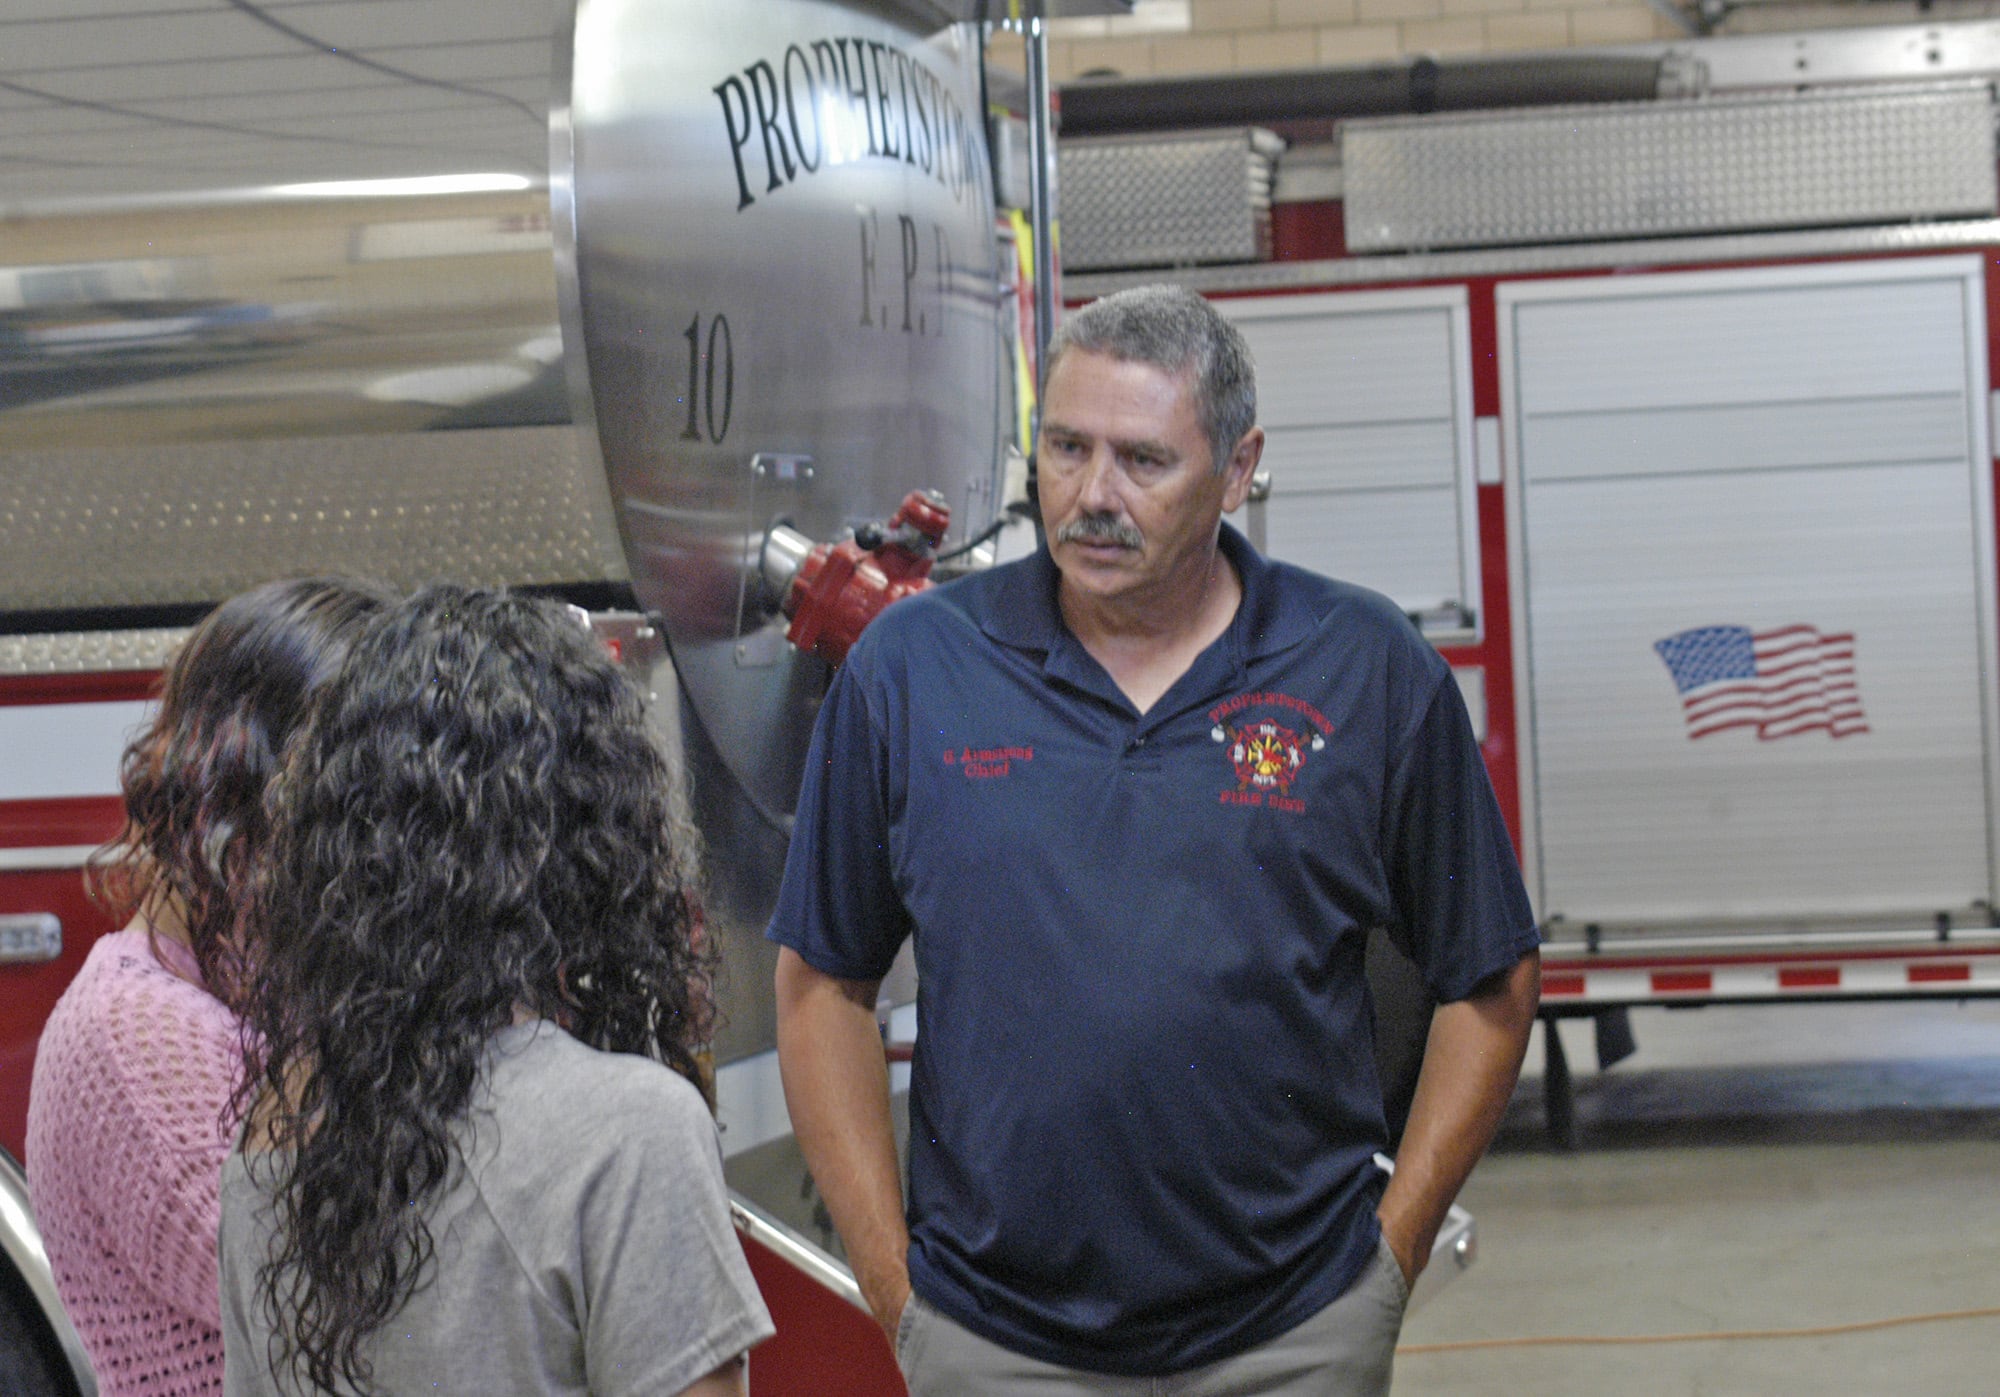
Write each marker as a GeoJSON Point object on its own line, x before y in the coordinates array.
{"type": "Point", "coordinates": [988, 534]}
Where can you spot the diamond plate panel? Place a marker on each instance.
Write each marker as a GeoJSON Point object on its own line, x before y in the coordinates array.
{"type": "Point", "coordinates": [1492, 179]}
{"type": "Point", "coordinates": [199, 522]}
{"type": "Point", "coordinates": [1166, 201]}
{"type": "Point", "coordinates": [1561, 257]}
{"type": "Point", "coordinates": [88, 652]}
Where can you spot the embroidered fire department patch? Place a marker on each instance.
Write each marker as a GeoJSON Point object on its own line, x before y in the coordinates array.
{"type": "Point", "coordinates": [1267, 755]}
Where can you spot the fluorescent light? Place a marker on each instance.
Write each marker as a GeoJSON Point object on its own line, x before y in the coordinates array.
{"type": "Point", "coordinates": [451, 385]}
{"type": "Point", "coordinates": [391, 188]}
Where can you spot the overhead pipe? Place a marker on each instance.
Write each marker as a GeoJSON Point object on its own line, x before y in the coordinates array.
{"type": "Point", "coordinates": [1041, 180]}
{"type": "Point", "coordinates": [1122, 106]}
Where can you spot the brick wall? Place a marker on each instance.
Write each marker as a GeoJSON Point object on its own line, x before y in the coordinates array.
{"type": "Point", "coordinates": [1258, 35]}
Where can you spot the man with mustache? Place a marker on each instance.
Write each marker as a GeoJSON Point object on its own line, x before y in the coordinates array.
{"type": "Point", "coordinates": [1139, 799]}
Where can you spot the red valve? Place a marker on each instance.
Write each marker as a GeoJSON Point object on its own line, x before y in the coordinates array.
{"type": "Point", "coordinates": [841, 587]}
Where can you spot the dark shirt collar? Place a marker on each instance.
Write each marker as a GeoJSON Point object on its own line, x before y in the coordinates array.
{"type": "Point", "coordinates": [1025, 613]}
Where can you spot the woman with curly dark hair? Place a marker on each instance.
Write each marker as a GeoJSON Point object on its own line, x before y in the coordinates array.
{"type": "Point", "coordinates": [480, 1157]}
{"type": "Point", "coordinates": [129, 1113]}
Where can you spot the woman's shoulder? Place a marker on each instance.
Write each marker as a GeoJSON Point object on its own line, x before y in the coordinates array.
{"type": "Point", "coordinates": [561, 1128]}
{"type": "Point", "coordinates": [132, 1082]}
{"type": "Point", "coordinates": [538, 1069]}
{"type": "Point", "coordinates": [116, 963]}
{"type": "Point", "coordinates": [125, 1000]}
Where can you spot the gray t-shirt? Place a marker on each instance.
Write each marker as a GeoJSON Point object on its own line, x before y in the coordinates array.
{"type": "Point", "coordinates": [583, 1241]}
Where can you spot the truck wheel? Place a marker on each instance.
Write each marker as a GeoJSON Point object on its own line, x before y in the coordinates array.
{"type": "Point", "coordinates": [31, 1364]}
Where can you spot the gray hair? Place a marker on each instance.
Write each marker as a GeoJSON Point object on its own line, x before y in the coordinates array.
{"type": "Point", "coordinates": [1175, 330]}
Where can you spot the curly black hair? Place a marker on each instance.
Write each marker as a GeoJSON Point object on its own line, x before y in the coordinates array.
{"type": "Point", "coordinates": [194, 777]}
{"type": "Point", "coordinates": [474, 825]}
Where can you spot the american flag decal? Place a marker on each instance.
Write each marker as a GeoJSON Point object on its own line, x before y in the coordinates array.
{"type": "Point", "coordinates": [1781, 682]}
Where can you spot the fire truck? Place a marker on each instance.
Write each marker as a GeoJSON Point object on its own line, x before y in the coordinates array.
{"type": "Point", "coordinates": [1657, 385]}
{"type": "Point", "coordinates": [711, 322]}
{"type": "Point", "coordinates": [705, 319]}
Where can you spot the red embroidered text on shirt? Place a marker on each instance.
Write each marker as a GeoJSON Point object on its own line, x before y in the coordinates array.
{"type": "Point", "coordinates": [986, 763]}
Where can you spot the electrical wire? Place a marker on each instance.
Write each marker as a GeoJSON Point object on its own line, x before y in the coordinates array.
{"type": "Point", "coordinates": [985, 535]}
{"type": "Point", "coordinates": [1822, 1331]}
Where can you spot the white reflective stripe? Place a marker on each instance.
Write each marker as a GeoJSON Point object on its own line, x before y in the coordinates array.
{"type": "Point", "coordinates": [1618, 984]}
{"type": "Point", "coordinates": [52, 857]}
{"type": "Point", "coordinates": [750, 1103]}
{"type": "Point", "coordinates": [1472, 687]}
{"type": "Point", "coordinates": [65, 749]}
{"type": "Point", "coordinates": [1929, 975]}
{"type": "Point", "coordinates": [1486, 449]}
{"type": "Point", "coordinates": [1746, 980]}
{"type": "Point", "coordinates": [1874, 977]}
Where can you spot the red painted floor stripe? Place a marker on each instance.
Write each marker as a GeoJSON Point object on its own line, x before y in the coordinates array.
{"type": "Point", "coordinates": [1817, 977]}
{"type": "Point", "coordinates": [1681, 981]}
{"type": "Point", "coordinates": [1939, 974]}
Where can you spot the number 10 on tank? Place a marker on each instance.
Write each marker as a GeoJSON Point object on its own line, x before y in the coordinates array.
{"type": "Point", "coordinates": [711, 385]}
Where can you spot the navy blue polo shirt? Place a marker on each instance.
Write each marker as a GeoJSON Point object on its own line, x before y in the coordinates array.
{"type": "Point", "coordinates": [1144, 1102]}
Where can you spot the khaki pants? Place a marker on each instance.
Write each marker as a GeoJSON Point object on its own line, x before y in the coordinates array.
{"type": "Point", "coordinates": [1343, 1351]}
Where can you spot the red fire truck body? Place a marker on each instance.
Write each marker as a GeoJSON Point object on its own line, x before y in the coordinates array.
{"type": "Point", "coordinates": [1689, 475]}
{"type": "Point", "coordinates": [1696, 495]}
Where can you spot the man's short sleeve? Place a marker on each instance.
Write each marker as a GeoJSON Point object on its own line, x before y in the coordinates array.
{"type": "Point", "coordinates": [1463, 914]}
{"type": "Point", "coordinates": [839, 907]}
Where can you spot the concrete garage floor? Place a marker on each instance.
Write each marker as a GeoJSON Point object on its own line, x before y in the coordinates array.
{"type": "Point", "coordinates": [1785, 1167]}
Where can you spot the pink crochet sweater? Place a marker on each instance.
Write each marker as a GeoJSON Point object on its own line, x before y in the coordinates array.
{"type": "Point", "coordinates": [126, 1139]}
